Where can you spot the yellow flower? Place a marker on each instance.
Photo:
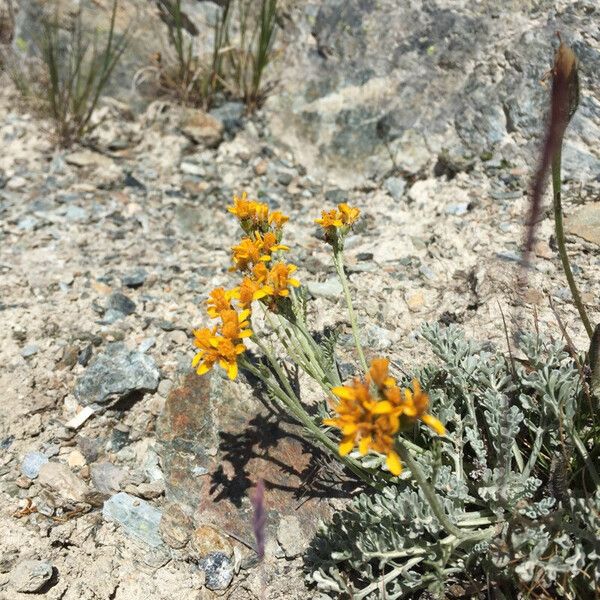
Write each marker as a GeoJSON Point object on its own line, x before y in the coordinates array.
{"type": "Point", "coordinates": [207, 342]}
{"type": "Point", "coordinates": [234, 325]}
{"type": "Point", "coordinates": [329, 218]}
{"type": "Point", "coordinates": [223, 344]}
{"type": "Point", "coordinates": [416, 404]}
{"type": "Point", "coordinates": [366, 421]}
{"type": "Point", "coordinates": [349, 214]}
{"type": "Point", "coordinates": [278, 219]}
{"type": "Point", "coordinates": [268, 243]}
{"type": "Point", "coordinates": [279, 280]}
{"type": "Point", "coordinates": [248, 291]}
{"type": "Point", "coordinates": [254, 213]}
{"type": "Point", "coordinates": [371, 422]}
{"type": "Point", "coordinates": [218, 301]}
{"type": "Point", "coordinates": [246, 254]}
{"type": "Point", "coordinates": [344, 216]}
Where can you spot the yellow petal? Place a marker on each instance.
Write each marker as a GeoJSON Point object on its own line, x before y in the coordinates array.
{"type": "Point", "coordinates": [196, 359]}
{"type": "Point", "coordinates": [434, 423]}
{"type": "Point", "coordinates": [243, 315]}
{"type": "Point", "coordinates": [232, 370]}
{"type": "Point", "coordinates": [331, 422]}
{"type": "Point", "coordinates": [203, 368]}
{"type": "Point", "coordinates": [382, 408]}
{"type": "Point", "coordinates": [393, 463]}
{"type": "Point", "coordinates": [363, 445]}
{"type": "Point", "coordinates": [346, 446]}
{"type": "Point", "coordinates": [294, 282]}
{"type": "Point", "coordinates": [344, 392]}
{"type": "Point", "coordinates": [349, 429]}
{"type": "Point", "coordinates": [246, 333]}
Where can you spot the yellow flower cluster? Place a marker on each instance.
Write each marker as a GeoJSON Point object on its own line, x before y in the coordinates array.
{"type": "Point", "coordinates": [370, 413]}
{"type": "Point", "coordinates": [263, 280]}
{"type": "Point", "coordinates": [344, 216]}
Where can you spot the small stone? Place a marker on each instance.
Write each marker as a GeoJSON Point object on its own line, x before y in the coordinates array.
{"type": "Point", "coordinates": [60, 479]}
{"type": "Point", "coordinates": [164, 387]}
{"type": "Point", "coordinates": [260, 168]}
{"type": "Point", "coordinates": [29, 350]}
{"type": "Point", "coordinates": [332, 288]}
{"type": "Point", "coordinates": [32, 463]}
{"type": "Point", "coordinates": [395, 187]}
{"type": "Point", "coordinates": [415, 301]}
{"type": "Point", "coordinates": [84, 356]}
{"type": "Point", "coordinates": [175, 526]}
{"type": "Point", "coordinates": [457, 210]}
{"type": "Point", "coordinates": [121, 303]}
{"type": "Point", "coordinates": [69, 357]}
{"type": "Point", "coordinates": [106, 477]}
{"type": "Point", "coordinates": [23, 482]}
{"type": "Point", "coordinates": [137, 517]}
{"type": "Point", "coordinates": [30, 576]}
{"type": "Point", "coordinates": [202, 128]}
{"type": "Point", "coordinates": [115, 374]}
{"type": "Point", "coordinates": [207, 540]}
{"type": "Point", "coordinates": [292, 536]}
{"type": "Point", "coordinates": [146, 344]}
{"type": "Point", "coordinates": [149, 491]}
{"type": "Point", "coordinates": [134, 279]}
{"type": "Point", "coordinates": [76, 459]}
{"type": "Point", "coordinates": [218, 570]}
{"type": "Point", "coordinates": [16, 183]}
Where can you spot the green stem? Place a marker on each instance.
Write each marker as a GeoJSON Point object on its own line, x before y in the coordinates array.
{"type": "Point", "coordinates": [338, 261]}
{"type": "Point", "coordinates": [560, 240]}
{"type": "Point", "coordinates": [586, 457]}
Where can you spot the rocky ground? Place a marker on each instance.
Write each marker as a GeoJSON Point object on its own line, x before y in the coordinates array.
{"type": "Point", "coordinates": [124, 476]}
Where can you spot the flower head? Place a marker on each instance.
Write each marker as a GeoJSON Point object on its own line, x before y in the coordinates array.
{"type": "Point", "coordinates": [337, 223]}
{"type": "Point", "coordinates": [277, 219]}
{"type": "Point", "coordinates": [370, 412]}
{"type": "Point", "coordinates": [248, 291]}
{"type": "Point", "coordinates": [251, 214]}
{"type": "Point", "coordinates": [248, 253]}
{"type": "Point", "coordinates": [349, 214]}
{"type": "Point", "coordinates": [329, 218]}
{"type": "Point", "coordinates": [223, 343]}
{"type": "Point", "coordinates": [279, 280]}
{"type": "Point", "coordinates": [218, 301]}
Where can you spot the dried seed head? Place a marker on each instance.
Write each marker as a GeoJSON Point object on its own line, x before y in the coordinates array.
{"type": "Point", "coordinates": [565, 76]}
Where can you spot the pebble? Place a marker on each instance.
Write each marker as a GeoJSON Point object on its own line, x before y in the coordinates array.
{"type": "Point", "coordinates": [121, 303]}
{"type": "Point", "coordinates": [30, 576]}
{"type": "Point", "coordinates": [137, 518]}
{"type": "Point", "coordinates": [134, 279]}
{"type": "Point", "coordinates": [415, 300]}
{"type": "Point", "coordinates": [164, 387]}
{"type": "Point", "coordinates": [395, 186]}
{"type": "Point", "coordinates": [106, 477]}
{"type": "Point", "coordinates": [32, 463]}
{"type": "Point", "coordinates": [175, 526]}
{"type": "Point", "coordinates": [218, 570]}
{"type": "Point", "coordinates": [76, 459]}
{"type": "Point", "coordinates": [331, 289]}
{"type": "Point", "coordinates": [29, 350]}
{"type": "Point", "coordinates": [60, 479]}
{"type": "Point", "coordinates": [115, 374]}
{"type": "Point", "coordinates": [146, 344]}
